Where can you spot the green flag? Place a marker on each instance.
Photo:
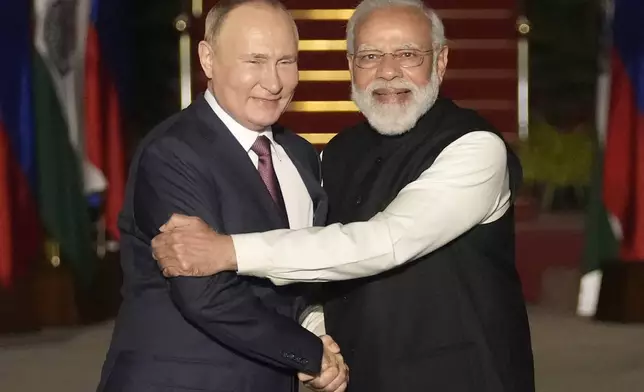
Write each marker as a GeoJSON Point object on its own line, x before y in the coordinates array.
{"type": "Point", "coordinates": [60, 189]}
{"type": "Point", "coordinates": [600, 243]}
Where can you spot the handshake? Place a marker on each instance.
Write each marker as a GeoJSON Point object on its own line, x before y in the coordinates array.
{"type": "Point", "coordinates": [334, 375]}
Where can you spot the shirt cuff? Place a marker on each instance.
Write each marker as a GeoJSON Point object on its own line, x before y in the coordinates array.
{"type": "Point", "coordinates": [249, 249]}
{"type": "Point", "coordinates": [314, 320]}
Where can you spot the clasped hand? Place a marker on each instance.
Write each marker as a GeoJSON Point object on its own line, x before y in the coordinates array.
{"type": "Point", "coordinates": [334, 375]}
{"type": "Point", "coordinates": [187, 246]}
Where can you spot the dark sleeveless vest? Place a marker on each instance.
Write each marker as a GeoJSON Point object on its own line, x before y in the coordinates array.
{"type": "Point", "coordinates": [451, 321]}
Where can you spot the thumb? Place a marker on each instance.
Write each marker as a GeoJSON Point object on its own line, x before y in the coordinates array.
{"type": "Point", "coordinates": [171, 272]}
{"type": "Point", "coordinates": [330, 344]}
{"type": "Point", "coordinates": [176, 221]}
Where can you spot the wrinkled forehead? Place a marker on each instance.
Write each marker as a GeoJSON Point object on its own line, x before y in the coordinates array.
{"type": "Point", "coordinates": [394, 28]}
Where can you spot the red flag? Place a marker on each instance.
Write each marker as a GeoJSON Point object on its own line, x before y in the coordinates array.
{"type": "Point", "coordinates": [624, 152]}
{"type": "Point", "coordinates": [103, 140]}
{"type": "Point", "coordinates": [6, 242]}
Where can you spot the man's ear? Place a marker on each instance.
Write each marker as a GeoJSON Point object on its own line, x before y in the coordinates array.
{"type": "Point", "coordinates": [206, 58]}
{"type": "Point", "coordinates": [441, 62]}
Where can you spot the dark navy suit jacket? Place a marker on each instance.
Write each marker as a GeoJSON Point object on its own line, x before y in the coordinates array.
{"type": "Point", "coordinates": [219, 333]}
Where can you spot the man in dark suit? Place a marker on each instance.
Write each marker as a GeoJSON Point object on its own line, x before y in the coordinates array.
{"type": "Point", "coordinates": [223, 160]}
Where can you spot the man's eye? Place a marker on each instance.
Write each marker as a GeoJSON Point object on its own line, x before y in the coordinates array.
{"type": "Point", "coordinates": [407, 54]}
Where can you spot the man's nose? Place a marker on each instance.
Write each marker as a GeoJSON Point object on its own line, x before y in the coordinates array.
{"type": "Point", "coordinates": [389, 68]}
{"type": "Point", "coordinates": [271, 81]}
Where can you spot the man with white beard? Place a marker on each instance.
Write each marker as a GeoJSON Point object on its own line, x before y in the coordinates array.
{"type": "Point", "coordinates": [420, 242]}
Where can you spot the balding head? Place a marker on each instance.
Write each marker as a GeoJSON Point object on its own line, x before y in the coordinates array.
{"type": "Point", "coordinates": [218, 13]}
{"type": "Point", "coordinates": [250, 58]}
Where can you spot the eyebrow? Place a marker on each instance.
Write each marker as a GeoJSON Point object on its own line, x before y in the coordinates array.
{"type": "Point", "coordinates": [364, 48]}
{"type": "Point", "coordinates": [263, 56]}
{"type": "Point", "coordinates": [259, 56]}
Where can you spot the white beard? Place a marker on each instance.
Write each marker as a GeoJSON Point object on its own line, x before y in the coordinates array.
{"type": "Point", "coordinates": [392, 119]}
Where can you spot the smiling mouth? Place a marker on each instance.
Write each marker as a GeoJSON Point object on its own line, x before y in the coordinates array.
{"type": "Point", "coordinates": [391, 91]}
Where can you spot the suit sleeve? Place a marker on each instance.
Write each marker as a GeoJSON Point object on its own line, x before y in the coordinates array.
{"type": "Point", "coordinates": [169, 180]}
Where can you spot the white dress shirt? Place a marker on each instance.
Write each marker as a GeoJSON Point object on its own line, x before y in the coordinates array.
{"type": "Point", "coordinates": [297, 200]}
{"type": "Point", "coordinates": [467, 185]}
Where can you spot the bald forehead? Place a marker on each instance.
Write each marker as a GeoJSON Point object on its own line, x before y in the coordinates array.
{"type": "Point", "coordinates": [258, 14]}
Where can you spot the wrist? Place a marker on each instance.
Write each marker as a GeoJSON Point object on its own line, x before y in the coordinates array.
{"type": "Point", "coordinates": [232, 254]}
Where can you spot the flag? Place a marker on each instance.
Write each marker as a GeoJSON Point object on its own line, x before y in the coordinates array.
{"type": "Point", "coordinates": [600, 242]}
{"type": "Point", "coordinates": [6, 232]}
{"type": "Point", "coordinates": [623, 190]}
{"type": "Point", "coordinates": [20, 230]}
{"type": "Point", "coordinates": [103, 142]}
{"type": "Point", "coordinates": [59, 36]}
{"type": "Point", "coordinates": [615, 217]}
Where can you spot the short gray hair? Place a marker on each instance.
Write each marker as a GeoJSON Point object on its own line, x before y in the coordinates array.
{"type": "Point", "coordinates": [218, 13]}
{"type": "Point", "coordinates": [367, 6]}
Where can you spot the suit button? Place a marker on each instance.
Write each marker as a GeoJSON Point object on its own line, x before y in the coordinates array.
{"type": "Point", "coordinates": [288, 355]}
{"type": "Point", "coordinates": [378, 160]}
{"type": "Point", "coordinates": [359, 200]}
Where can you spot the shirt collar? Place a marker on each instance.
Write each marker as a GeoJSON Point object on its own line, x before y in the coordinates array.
{"type": "Point", "coordinates": [244, 136]}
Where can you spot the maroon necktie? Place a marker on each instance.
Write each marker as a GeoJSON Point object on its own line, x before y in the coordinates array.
{"type": "Point", "coordinates": [262, 147]}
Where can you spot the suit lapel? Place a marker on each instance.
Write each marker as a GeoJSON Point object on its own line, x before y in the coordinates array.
{"type": "Point", "coordinates": [317, 194]}
{"type": "Point", "coordinates": [226, 148]}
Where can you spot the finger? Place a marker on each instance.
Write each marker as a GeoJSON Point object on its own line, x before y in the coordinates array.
{"type": "Point", "coordinates": [312, 385]}
{"type": "Point", "coordinates": [330, 344]}
{"type": "Point", "coordinates": [178, 220]}
{"type": "Point", "coordinates": [159, 241]}
{"type": "Point", "coordinates": [304, 377]}
{"type": "Point", "coordinates": [337, 381]}
{"type": "Point", "coordinates": [160, 255]}
{"type": "Point", "coordinates": [325, 378]}
{"type": "Point", "coordinates": [165, 256]}
{"type": "Point", "coordinates": [342, 387]}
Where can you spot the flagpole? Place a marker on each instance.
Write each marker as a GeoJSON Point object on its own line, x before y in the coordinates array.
{"type": "Point", "coordinates": [523, 76]}
{"type": "Point", "coordinates": [181, 24]}
{"type": "Point", "coordinates": [54, 294]}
